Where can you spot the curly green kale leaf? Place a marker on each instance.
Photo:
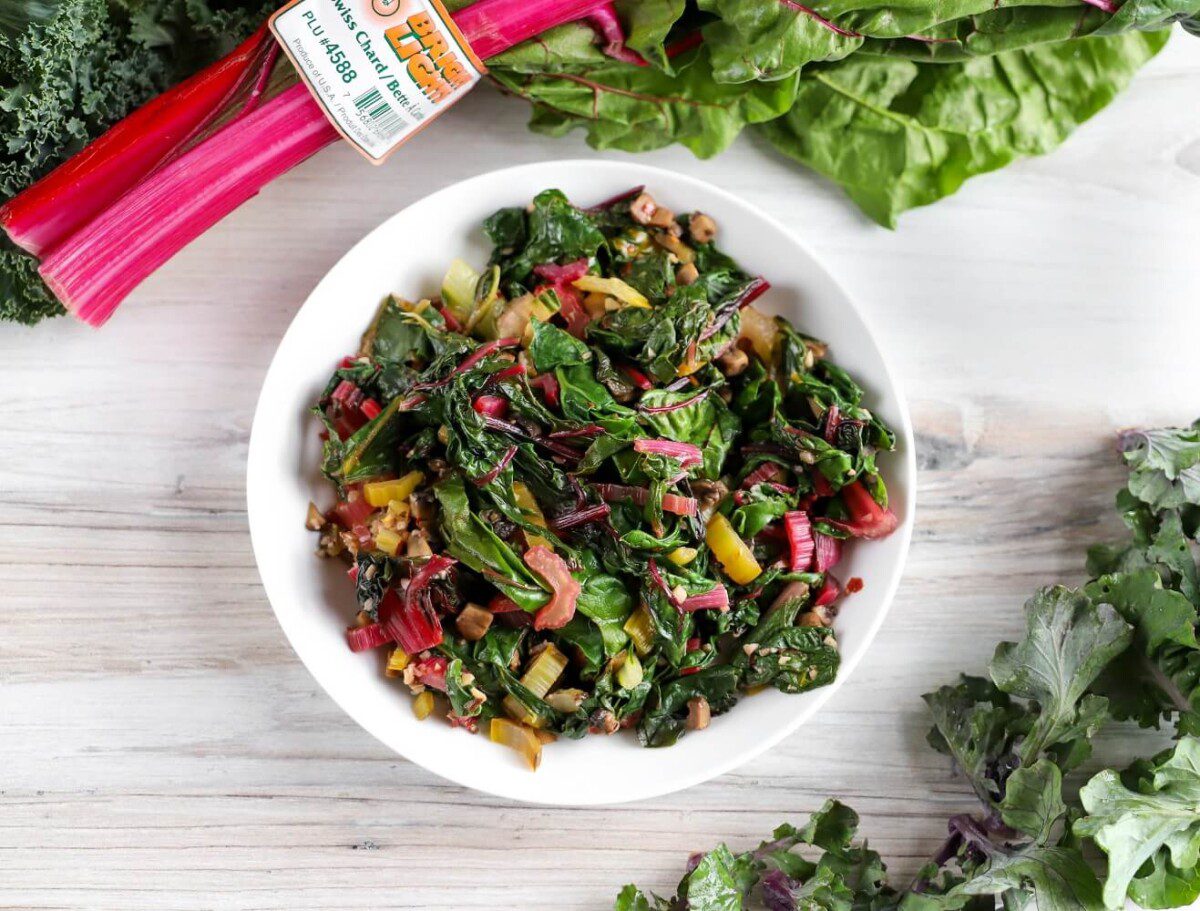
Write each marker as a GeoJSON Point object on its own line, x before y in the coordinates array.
{"type": "Point", "coordinates": [975, 724]}
{"type": "Point", "coordinates": [1033, 801]}
{"type": "Point", "coordinates": [1156, 820]}
{"type": "Point", "coordinates": [1068, 642]}
{"type": "Point", "coordinates": [1164, 465]}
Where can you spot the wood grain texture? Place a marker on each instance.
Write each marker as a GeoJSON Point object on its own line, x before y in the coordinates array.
{"type": "Point", "coordinates": [160, 745]}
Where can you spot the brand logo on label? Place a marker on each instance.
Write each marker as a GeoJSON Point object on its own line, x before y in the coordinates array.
{"type": "Point", "coordinates": [431, 60]}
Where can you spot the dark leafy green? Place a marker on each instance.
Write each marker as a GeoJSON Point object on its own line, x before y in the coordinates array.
{"type": "Point", "coordinates": [565, 464]}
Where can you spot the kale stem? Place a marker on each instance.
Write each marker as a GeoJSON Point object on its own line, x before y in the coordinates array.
{"type": "Point", "coordinates": [1167, 685]}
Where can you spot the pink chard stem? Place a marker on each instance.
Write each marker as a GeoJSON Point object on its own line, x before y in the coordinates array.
{"type": "Point", "coordinates": [95, 268]}
{"type": "Point", "coordinates": [147, 219]}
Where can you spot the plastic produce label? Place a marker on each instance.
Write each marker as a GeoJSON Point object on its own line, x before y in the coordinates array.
{"type": "Point", "coordinates": [380, 69]}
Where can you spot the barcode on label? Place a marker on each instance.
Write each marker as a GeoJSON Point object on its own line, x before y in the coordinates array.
{"type": "Point", "coordinates": [382, 115]}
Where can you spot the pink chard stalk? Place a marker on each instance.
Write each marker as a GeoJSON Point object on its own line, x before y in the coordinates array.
{"type": "Point", "coordinates": [105, 220]}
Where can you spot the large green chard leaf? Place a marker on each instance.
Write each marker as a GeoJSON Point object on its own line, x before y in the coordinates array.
{"type": "Point", "coordinates": [764, 40]}
{"type": "Point", "coordinates": [636, 108]}
{"type": "Point", "coordinates": [994, 29]}
{"type": "Point", "coordinates": [1147, 14]}
{"type": "Point", "coordinates": [647, 24]}
{"type": "Point", "coordinates": [1164, 465]}
{"type": "Point", "coordinates": [897, 134]}
{"type": "Point", "coordinates": [1161, 819]}
{"type": "Point", "coordinates": [1068, 642]}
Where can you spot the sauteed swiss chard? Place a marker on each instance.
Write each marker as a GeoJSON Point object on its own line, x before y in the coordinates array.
{"type": "Point", "coordinates": [593, 487]}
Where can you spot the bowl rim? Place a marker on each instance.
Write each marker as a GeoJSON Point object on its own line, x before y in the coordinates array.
{"type": "Point", "coordinates": [904, 469]}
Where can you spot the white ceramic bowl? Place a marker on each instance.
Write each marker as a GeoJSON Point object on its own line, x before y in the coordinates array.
{"type": "Point", "coordinates": [407, 254]}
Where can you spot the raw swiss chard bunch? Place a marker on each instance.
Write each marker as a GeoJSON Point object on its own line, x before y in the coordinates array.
{"type": "Point", "coordinates": [897, 103]}
{"type": "Point", "coordinates": [1122, 647]}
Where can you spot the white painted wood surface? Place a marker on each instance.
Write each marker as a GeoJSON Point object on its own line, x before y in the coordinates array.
{"type": "Point", "coordinates": [161, 747]}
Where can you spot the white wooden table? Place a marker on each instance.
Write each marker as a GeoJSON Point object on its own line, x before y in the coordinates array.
{"type": "Point", "coordinates": [160, 745]}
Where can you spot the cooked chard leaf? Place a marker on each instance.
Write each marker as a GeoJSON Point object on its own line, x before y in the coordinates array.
{"type": "Point", "coordinates": [552, 231]}
{"type": "Point", "coordinates": [792, 660]}
{"type": "Point", "coordinates": [663, 721]}
{"type": "Point", "coordinates": [553, 347]}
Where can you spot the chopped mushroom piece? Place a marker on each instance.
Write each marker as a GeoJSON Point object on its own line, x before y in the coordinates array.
{"type": "Point", "coordinates": [687, 274]}
{"type": "Point", "coordinates": [674, 245]}
{"type": "Point", "coordinates": [473, 622]}
{"type": "Point", "coordinates": [330, 543]}
{"type": "Point", "coordinates": [710, 494]}
{"type": "Point", "coordinates": [702, 228]}
{"type": "Point", "coordinates": [818, 616]}
{"type": "Point", "coordinates": [643, 208]}
{"type": "Point", "coordinates": [733, 361]}
{"type": "Point", "coordinates": [699, 713]}
{"type": "Point", "coordinates": [604, 722]}
{"type": "Point", "coordinates": [514, 319]}
{"type": "Point", "coordinates": [662, 217]}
